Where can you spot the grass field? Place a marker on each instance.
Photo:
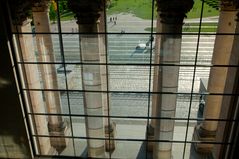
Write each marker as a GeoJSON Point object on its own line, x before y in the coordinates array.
{"type": "Point", "coordinates": [207, 10]}
{"type": "Point", "coordinates": [143, 9]}
{"type": "Point", "coordinates": [140, 8]}
{"type": "Point", "coordinates": [192, 29]}
{"type": "Point", "coordinates": [67, 16]}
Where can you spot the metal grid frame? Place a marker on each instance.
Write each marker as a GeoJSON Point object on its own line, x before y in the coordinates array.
{"type": "Point", "coordinates": [149, 92]}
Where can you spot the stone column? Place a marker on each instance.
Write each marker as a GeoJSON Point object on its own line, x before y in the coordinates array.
{"type": "Point", "coordinates": [151, 127]}
{"type": "Point", "coordinates": [25, 48]}
{"type": "Point", "coordinates": [88, 14]}
{"type": "Point", "coordinates": [109, 126]}
{"type": "Point", "coordinates": [56, 125]}
{"type": "Point", "coordinates": [223, 53]}
{"type": "Point", "coordinates": [171, 15]}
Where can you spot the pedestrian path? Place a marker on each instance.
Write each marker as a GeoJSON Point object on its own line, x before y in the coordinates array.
{"type": "Point", "coordinates": [126, 22]}
{"type": "Point", "coordinates": [127, 148]}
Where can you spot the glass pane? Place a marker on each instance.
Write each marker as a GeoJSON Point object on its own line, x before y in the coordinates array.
{"type": "Point", "coordinates": [81, 147]}
{"type": "Point", "coordinates": [130, 128]}
{"type": "Point", "coordinates": [129, 16]}
{"type": "Point", "coordinates": [76, 102]}
{"type": "Point", "coordinates": [129, 104]}
{"type": "Point", "coordinates": [135, 48]}
{"type": "Point", "coordinates": [130, 149]}
{"type": "Point", "coordinates": [129, 78]}
{"type": "Point", "coordinates": [79, 129]}
{"type": "Point", "coordinates": [71, 47]}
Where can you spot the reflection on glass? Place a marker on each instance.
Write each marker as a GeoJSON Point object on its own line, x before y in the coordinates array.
{"type": "Point", "coordinates": [136, 48]}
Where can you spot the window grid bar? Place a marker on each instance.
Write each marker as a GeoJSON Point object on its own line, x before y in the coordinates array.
{"type": "Point", "coordinates": [194, 74]}
{"type": "Point", "coordinates": [150, 76]}
{"type": "Point", "coordinates": [21, 92]}
{"type": "Point", "coordinates": [125, 64]}
{"type": "Point", "coordinates": [65, 74]}
{"type": "Point", "coordinates": [107, 76]}
{"type": "Point", "coordinates": [148, 93]}
{"type": "Point", "coordinates": [136, 117]}
{"type": "Point", "coordinates": [140, 92]}
{"type": "Point", "coordinates": [24, 77]}
{"type": "Point", "coordinates": [119, 33]}
{"type": "Point", "coordinates": [136, 139]}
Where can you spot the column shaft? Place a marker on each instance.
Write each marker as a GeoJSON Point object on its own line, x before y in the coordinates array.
{"type": "Point", "coordinates": [90, 53]}
{"type": "Point", "coordinates": [156, 70]}
{"type": "Point", "coordinates": [222, 55]}
{"type": "Point", "coordinates": [33, 82]}
{"type": "Point", "coordinates": [217, 79]}
{"type": "Point", "coordinates": [155, 97]}
{"type": "Point", "coordinates": [104, 71]}
{"type": "Point", "coordinates": [228, 105]}
{"type": "Point", "coordinates": [88, 14]}
{"type": "Point", "coordinates": [170, 49]}
{"type": "Point", "coordinates": [48, 72]}
{"type": "Point", "coordinates": [171, 19]}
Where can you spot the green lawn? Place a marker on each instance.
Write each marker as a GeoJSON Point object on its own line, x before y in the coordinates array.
{"type": "Point", "coordinates": [214, 29]}
{"type": "Point", "coordinates": [203, 24]}
{"type": "Point", "coordinates": [207, 10]}
{"type": "Point", "coordinates": [143, 8]}
{"type": "Point", "coordinates": [140, 8]}
{"type": "Point", "coordinates": [67, 16]}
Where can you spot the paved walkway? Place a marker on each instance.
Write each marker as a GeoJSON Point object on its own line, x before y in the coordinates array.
{"type": "Point", "coordinates": [125, 21]}
{"type": "Point", "coordinates": [128, 23]}
{"type": "Point", "coordinates": [130, 149]}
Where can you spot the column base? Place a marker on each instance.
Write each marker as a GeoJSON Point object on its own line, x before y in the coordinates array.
{"type": "Point", "coordinates": [150, 136]}
{"type": "Point", "coordinates": [164, 155]}
{"type": "Point", "coordinates": [61, 130]}
{"type": "Point", "coordinates": [110, 132]}
{"type": "Point", "coordinates": [52, 151]}
{"type": "Point", "coordinates": [98, 152]}
{"type": "Point", "coordinates": [203, 135]}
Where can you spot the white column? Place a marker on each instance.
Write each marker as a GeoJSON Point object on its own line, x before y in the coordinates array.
{"type": "Point", "coordinates": [48, 72]}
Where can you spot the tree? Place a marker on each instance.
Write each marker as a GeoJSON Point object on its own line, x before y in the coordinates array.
{"type": "Point", "coordinates": [52, 12]}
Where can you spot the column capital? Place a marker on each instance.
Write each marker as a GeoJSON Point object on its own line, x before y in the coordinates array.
{"type": "Point", "coordinates": [174, 11]}
{"type": "Point", "coordinates": [237, 6]}
{"type": "Point", "coordinates": [229, 5]}
{"type": "Point", "coordinates": [57, 127]}
{"type": "Point", "coordinates": [20, 11]}
{"type": "Point", "coordinates": [40, 5]}
{"type": "Point", "coordinates": [86, 12]}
